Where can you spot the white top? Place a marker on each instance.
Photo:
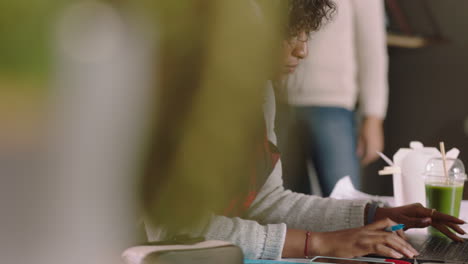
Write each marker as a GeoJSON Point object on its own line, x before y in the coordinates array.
{"type": "Point", "coordinates": [347, 60]}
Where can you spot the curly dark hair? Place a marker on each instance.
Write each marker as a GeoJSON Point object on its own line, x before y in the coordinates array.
{"type": "Point", "coordinates": [308, 15]}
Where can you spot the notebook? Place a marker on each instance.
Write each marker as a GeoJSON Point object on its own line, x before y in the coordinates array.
{"type": "Point", "coordinates": [210, 251]}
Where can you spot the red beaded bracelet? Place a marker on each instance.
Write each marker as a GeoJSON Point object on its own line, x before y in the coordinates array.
{"type": "Point", "coordinates": [306, 247]}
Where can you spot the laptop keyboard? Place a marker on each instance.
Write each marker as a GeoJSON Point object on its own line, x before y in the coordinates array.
{"type": "Point", "coordinates": [442, 249]}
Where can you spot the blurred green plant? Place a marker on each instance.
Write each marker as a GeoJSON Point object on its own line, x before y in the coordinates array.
{"type": "Point", "coordinates": [26, 28]}
{"type": "Point", "coordinates": [215, 57]}
{"type": "Point", "coordinates": [26, 37]}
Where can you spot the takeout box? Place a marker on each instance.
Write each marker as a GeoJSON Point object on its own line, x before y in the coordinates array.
{"type": "Point", "coordinates": [408, 168]}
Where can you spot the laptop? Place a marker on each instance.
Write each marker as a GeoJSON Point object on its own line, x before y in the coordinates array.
{"type": "Point", "coordinates": [437, 248]}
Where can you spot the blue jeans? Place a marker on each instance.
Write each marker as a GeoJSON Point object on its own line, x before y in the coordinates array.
{"type": "Point", "coordinates": [328, 138]}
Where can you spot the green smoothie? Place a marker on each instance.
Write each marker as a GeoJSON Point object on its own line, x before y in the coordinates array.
{"type": "Point", "coordinates": [445, 199]}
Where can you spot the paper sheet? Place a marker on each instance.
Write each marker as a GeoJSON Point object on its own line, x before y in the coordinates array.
{"type": "Point", "coordinates": [344, 189]}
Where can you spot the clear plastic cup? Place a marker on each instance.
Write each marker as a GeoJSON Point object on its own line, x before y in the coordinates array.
{"type": "Point", "coordinates": [444, 192]}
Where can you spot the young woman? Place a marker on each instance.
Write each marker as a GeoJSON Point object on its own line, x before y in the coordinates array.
{"type": "Point", "coordinates": [269, 222]}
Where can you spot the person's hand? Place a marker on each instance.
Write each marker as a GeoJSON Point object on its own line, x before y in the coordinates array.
{"type": "Point", "coordinates": [370, 239]}
{"type": "Point", "coordinates": [371, 139]}
{"type": "Point", "coordinates": [417, 216]}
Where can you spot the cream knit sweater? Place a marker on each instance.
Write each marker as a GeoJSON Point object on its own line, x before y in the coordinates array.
{"type": "Point", "coordinates": [347, 61]}
{"type": "Point", "coordinates": [262, 233]}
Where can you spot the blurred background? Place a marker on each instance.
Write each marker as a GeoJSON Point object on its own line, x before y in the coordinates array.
{"type": "Point", "coordinates": [427, 85]}
{"type": "Point", "coordinates": [25, 64]}
{"type": "Point", "coordinates": [67, 146]}
{"type": "Point", "coordinates": [105, 109]}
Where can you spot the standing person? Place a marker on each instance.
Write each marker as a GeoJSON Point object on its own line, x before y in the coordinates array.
{"type": "Point", "coordinates": [347, 65]}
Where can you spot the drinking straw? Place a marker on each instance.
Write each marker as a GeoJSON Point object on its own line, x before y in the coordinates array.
{"type": "Point", "coordinates": [385, 158]}
{"type": "Point", "coordinates": [444, 160]}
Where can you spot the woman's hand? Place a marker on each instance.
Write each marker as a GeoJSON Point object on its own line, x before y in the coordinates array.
{"type": "Point", "coordinates": [417, 216]}
{"type": "Point", "coordinates": [370, 239]}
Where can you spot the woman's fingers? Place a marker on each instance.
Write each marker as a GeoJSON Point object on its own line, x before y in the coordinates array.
{"type": "Point", "coordinates": [441, 217]}
{"type": "Point", "coordinates": [442, 228]}
{"type": "Point", "coordinates": [456, 227]}
{"type": "Point", "coordinates": [419, 211]}
{"type": "Point", "coordinates": [381, 242]}
{"type": "Point", "coordinates": [400, 245]}
{"type": "Point", "coordinates": [383, 250]}
{"type": "Point", "coordinates": [395, 240]}
{"type": "Point", "coordinates": [401, 234]}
